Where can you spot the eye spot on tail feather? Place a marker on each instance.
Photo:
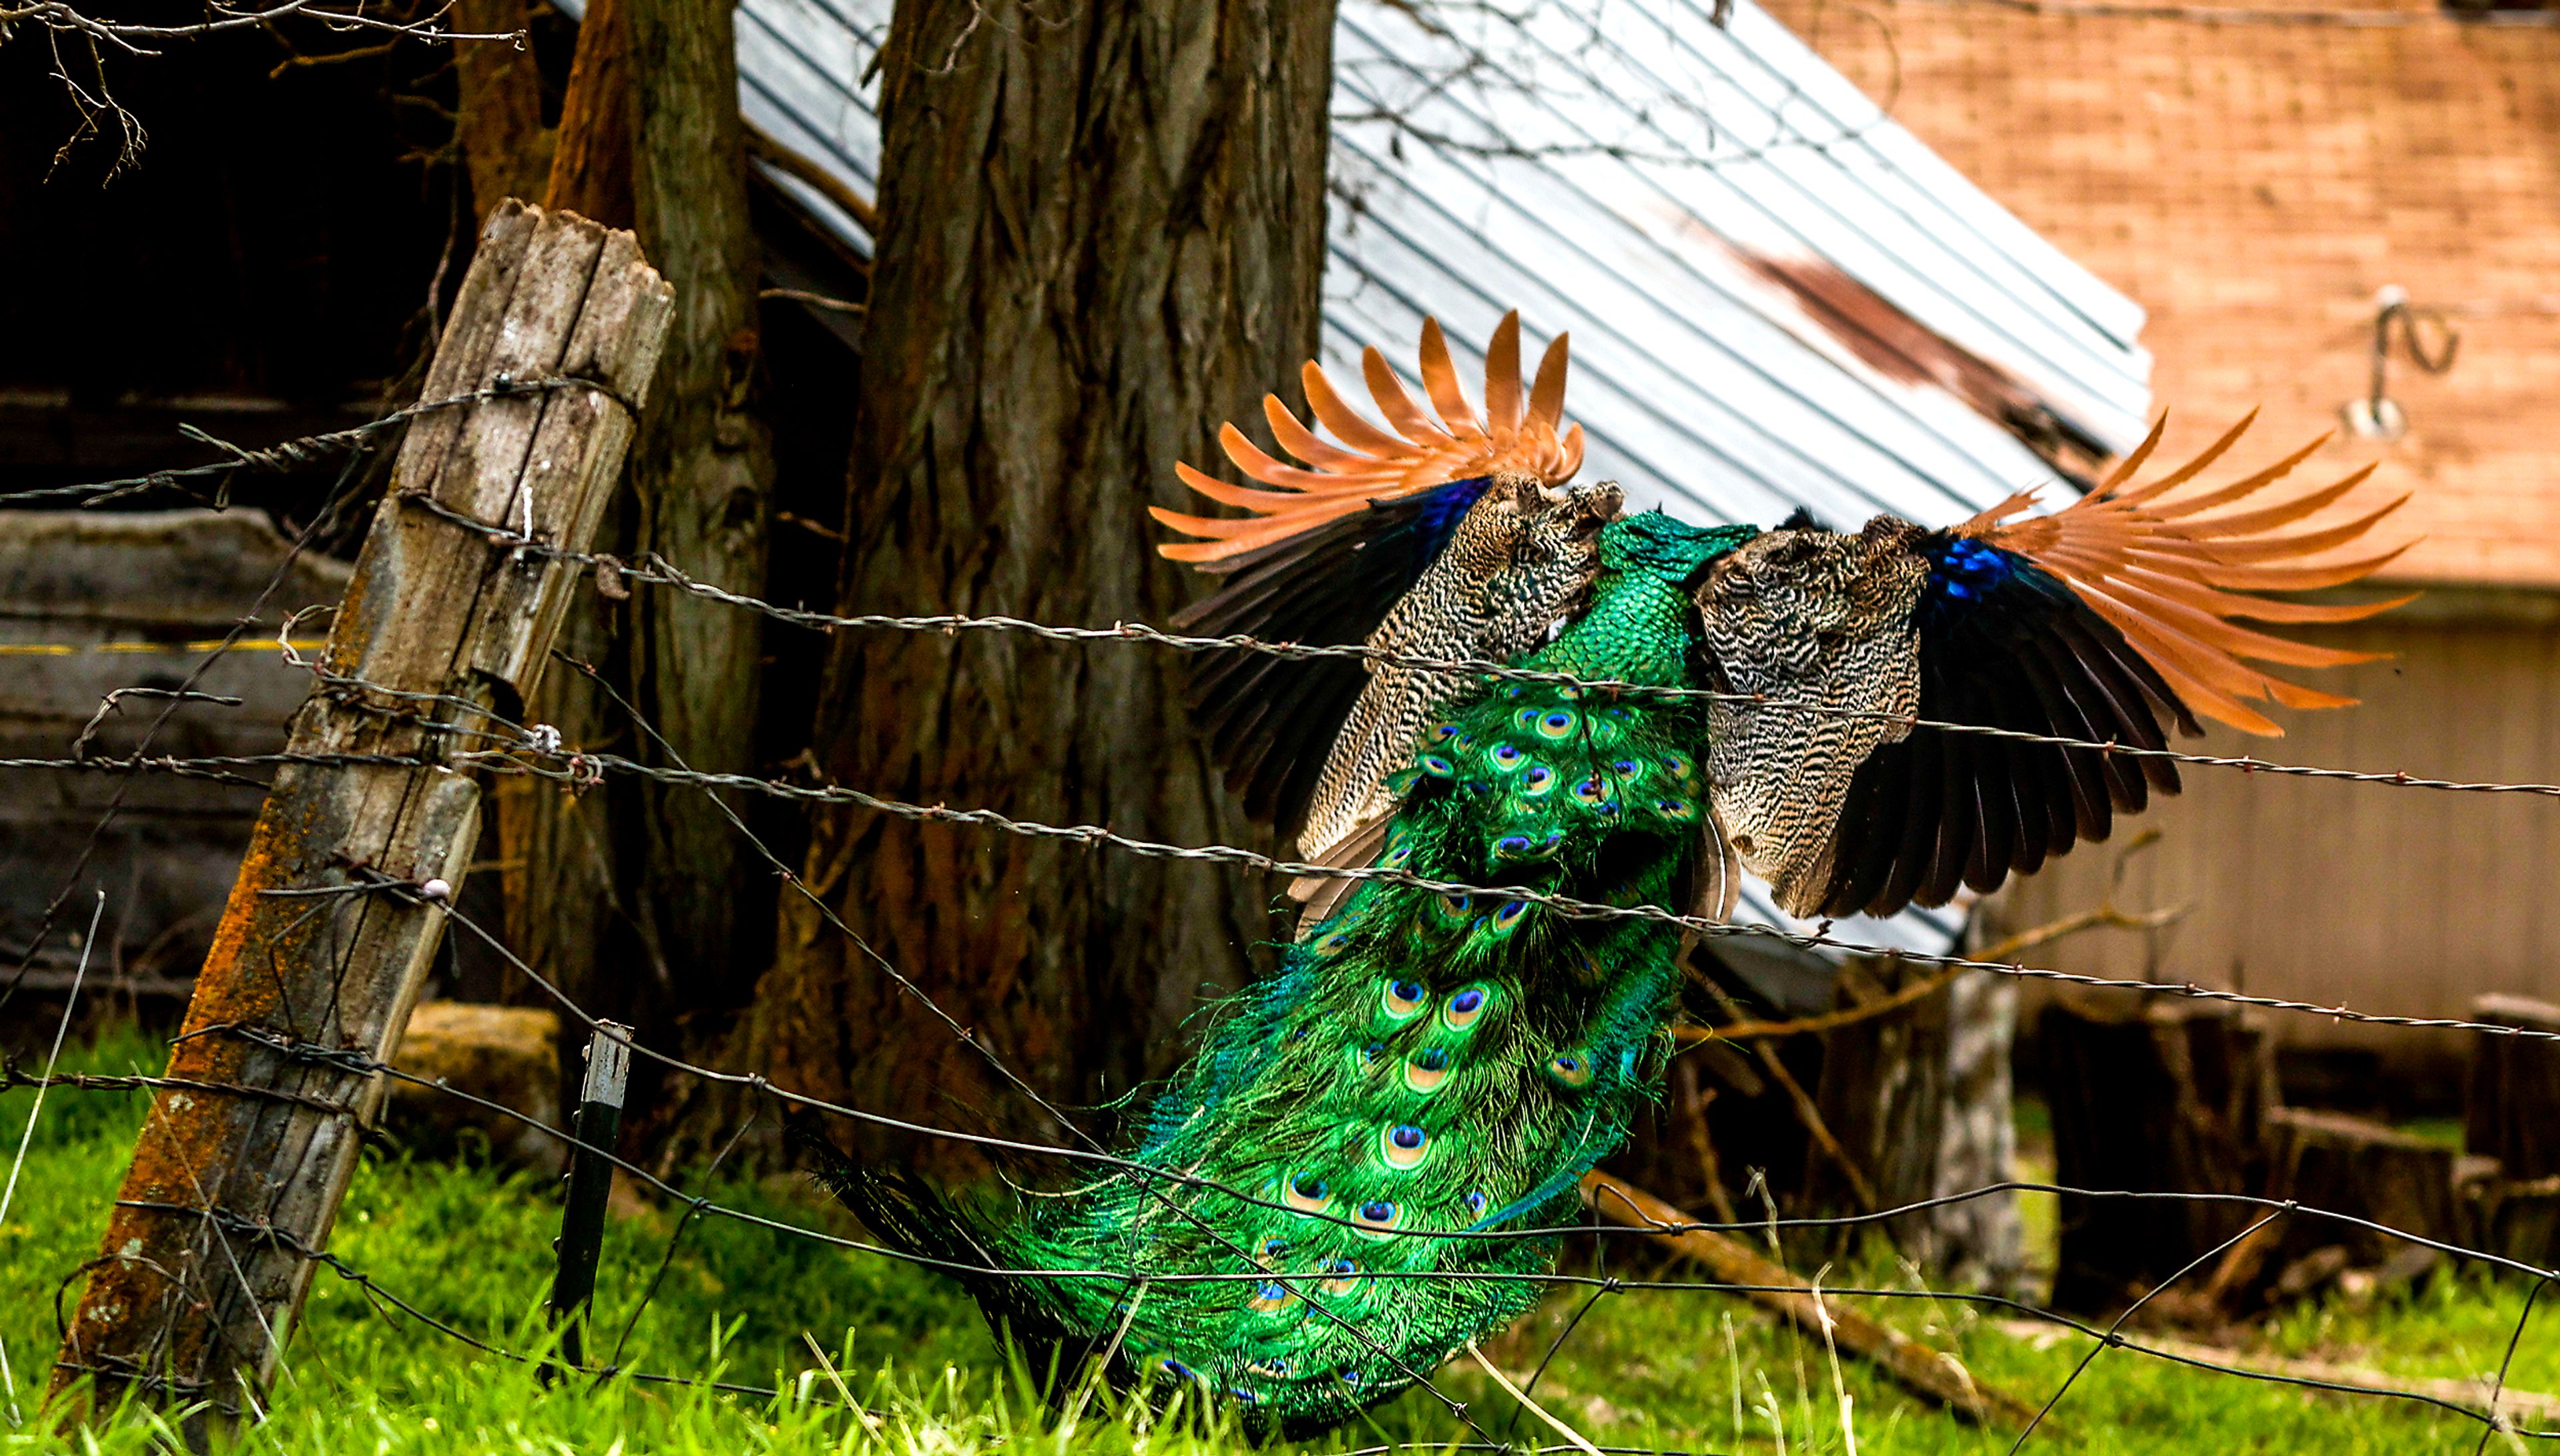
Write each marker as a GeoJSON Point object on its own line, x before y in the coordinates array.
{"type": "Point", "coordinates": [1404, 1146]}
{"type": "Point", "coordinates": [1466, 1008]}
{"type": "Point", "coordinates": [1427, 1070]}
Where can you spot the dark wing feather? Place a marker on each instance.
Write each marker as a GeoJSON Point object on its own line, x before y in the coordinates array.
{"type": "Point", "coordinates": [1870, 834]}
{"type": "Point", "coordinates": [1270, 721]}
{"type": "Point", "coordinates": [2016, 649]}
{"type": "Point", "coordinates": [1921, 807]}
{"type": "Point", "coordinates": [1959, 819]}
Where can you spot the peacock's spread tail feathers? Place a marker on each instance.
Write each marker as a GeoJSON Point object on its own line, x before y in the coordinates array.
{"type": "Point", "coordinates": [2171, 570]}
{"type": "Point", "coordinates": [1515, 433]}
{"type": "Point", "coordinates": [1425, 1069]}
{"type": "Point", "coordinates": [1368, 1139]}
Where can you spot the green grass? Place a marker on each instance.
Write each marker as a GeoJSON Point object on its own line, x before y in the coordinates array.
{"type": "Point", "coordinates": [470, 1246]}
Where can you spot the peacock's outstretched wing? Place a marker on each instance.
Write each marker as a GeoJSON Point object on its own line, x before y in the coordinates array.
{"type": "Point", "coordinates": [2109, 621]}
{"type": "Point", "coordinates": [1270, 720]}
{"type": "Point", "coordinates": [1332, 549]}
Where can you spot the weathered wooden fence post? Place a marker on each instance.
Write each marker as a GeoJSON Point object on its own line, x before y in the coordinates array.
{"type": "Point", "coordinates": [226, 1212]}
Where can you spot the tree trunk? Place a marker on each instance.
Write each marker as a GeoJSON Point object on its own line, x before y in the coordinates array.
{"type": "Point", "coordinates": [592, 154]}
{"type": "Point", "coordinates": [499, 110]}
{"type": "Point", "coordinates": [2511, 1108]}
{"type": "Point", "coordinates": [1919, 1096]}
{"type": "Point", "coordinates": [2512, 1129]}
{"type": "Point", "coordinates": [2368, 1170]}
{"type": "Point", "coordinates": [630, 896]}
{"type": "Point", "coordinates": [702, 473]}
{"type": "Point", "coordinates": [557, 854]}
{"type": "Point", "coordinates": [1104, 233]}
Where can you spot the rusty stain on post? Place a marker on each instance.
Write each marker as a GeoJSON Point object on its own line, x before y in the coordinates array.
{"type": "Point", "coordinates": [207, 1256]}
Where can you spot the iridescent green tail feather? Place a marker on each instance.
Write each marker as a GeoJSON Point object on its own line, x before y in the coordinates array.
{"type": "Point", "coordinates": [1365, 1133]}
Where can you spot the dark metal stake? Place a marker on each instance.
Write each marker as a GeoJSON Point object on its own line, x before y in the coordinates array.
{"type": "Point", "coordinates": [591, 1182]}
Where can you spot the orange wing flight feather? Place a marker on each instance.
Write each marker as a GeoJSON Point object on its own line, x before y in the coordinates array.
{"type": "Point", "coordinates": [2172, 576]}
{"type": "Point", "coordinates": [1374, 465]}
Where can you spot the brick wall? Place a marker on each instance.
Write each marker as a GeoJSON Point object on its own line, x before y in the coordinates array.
{"type": "Point", "coordinates": [2253, 185]}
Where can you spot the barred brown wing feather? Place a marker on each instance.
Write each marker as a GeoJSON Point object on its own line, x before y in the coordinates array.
{"type": "Point", "coordinates": [1816, 626]}
{"type": "Point", "coordinates": [1270, 720]}
{"type": "Point", "coordinates": [1329, 545]}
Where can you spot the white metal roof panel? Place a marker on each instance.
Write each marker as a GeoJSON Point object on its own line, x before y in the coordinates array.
{"type": "Point", "coordinates": [799, 64]}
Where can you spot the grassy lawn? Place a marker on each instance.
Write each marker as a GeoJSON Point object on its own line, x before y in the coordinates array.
{"type": "Point", "coordinates": [1679, 1370]}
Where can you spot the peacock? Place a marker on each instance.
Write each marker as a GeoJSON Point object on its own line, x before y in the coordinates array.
{"type": "Point", "coordinates": [1416, 1089]}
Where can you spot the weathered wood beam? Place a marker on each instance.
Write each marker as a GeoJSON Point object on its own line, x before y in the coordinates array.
{"type": "Point", "coordinates": [2514, 1405]}
{"type": "Point", "coordinates": [225, 1212]}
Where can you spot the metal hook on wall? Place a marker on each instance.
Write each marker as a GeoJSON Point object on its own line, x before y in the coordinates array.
{"type": "Point", "coordinates": [2377, 416]}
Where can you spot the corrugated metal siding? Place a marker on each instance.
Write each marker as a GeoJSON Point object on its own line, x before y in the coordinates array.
{"type": "Point", "coordinates": [1604, 167]}
{"type": "Point", "coordinates": [800, 64]}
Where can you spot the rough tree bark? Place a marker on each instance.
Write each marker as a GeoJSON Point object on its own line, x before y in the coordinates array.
{"type": "Point", "coordinates": [2511, 1108]}
{"type": "Point", "coordinates": [2150, 1098]}
{"type": "Point", "coordinates": [2511, 1130]}
{"type": "Point", "coordinates": [630, 894]}
{"type": "Point", "coordinates": [498, 117]}
{"type": "Point", "coordinates": [592, 156]}
{"type": "Point", "coordinates": [1919, 1098]}
{"type": "Point", "coordinates": [702, 472]}
{"type": "Point", "coordinates": [1102, 235]}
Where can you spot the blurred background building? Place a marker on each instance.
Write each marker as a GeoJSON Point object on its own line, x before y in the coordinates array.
{"type": "Point", "coordinates": [2257, 181]}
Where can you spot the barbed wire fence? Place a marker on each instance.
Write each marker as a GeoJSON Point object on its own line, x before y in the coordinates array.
{"type": "Point", "coordinates": [469, 736]}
